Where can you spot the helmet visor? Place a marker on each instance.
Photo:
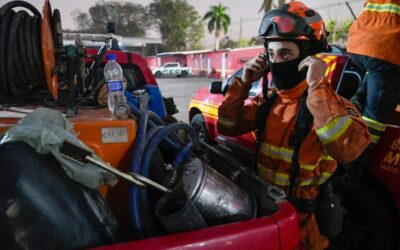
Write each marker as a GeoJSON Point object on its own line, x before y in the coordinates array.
{"type": "Point", "coordinates": [285, 24]}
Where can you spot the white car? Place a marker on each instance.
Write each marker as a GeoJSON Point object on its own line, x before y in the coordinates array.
{"type": "Point", "coordinates": [172, 69]}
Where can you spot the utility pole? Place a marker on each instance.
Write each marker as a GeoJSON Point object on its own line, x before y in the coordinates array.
{"type": "Point", "coordinates": [351, 10]}
{"type": "Point", "coordinates": [240, 29]}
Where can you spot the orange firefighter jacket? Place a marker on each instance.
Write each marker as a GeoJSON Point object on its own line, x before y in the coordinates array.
{"type": "Point", "coordinates": [376, 32]}
{"type": "Point", "coordinates": [337, 135]}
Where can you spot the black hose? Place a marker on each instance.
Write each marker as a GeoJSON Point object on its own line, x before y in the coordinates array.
{"type": "Point", "coordinates": [13, 67]}
{"type": "Point", "coordinates": [37, 48]}
{"type": "Point", "coordinates": [21, 52]}
{"type": "Point", "coordinates": [13, 4]}
{"type": "Point", "coordinates": [4, 29]}
{"type": "Point", "coordinates": [29, 52]}
{"type": "Point", "coordinates": [21, 67]}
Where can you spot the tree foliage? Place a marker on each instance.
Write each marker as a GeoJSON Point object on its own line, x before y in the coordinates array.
{"type": "Point", "coordinates": [338, 31]}
{"type": "Point", "coordinates": [218, 20]}
{"type": "Point", "coordinates": [179, 24]}
{"type": "Point", "coordinates": [268, 5]}
{"type": "Point", "coordinates": [195, 34]}
{"type": "Point", "coordinates": [129, 19]}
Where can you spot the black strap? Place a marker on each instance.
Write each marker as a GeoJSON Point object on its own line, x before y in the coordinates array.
{"type": "Point", "coordinates": [303, 205]}
{"type": "Point", "coordinates": [129, 57]}
{"type": "Point", "coordinates": [302, 127]}
{"type": "Point", "coordinates": [262, 115]}
{"type": "Point", "coordinates": [304, 121]}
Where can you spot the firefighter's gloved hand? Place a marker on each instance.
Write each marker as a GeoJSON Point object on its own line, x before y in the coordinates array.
{"type": "Point", "coordinates": [316, 69]}
{"type": "Point", "coordinates": [254, 69]}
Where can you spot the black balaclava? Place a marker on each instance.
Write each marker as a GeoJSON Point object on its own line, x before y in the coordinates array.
{"type": "Point", "coordinates": [285, 75]}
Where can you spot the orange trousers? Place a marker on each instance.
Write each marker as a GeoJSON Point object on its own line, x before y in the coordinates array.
{"type": "Point", "coordinates": [310, 236]}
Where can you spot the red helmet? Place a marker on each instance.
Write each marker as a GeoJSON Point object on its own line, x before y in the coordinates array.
{"type": "Point", "coordinates": [294, 21]}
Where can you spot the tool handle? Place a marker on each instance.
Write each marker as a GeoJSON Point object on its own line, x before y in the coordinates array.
{"type": "Point", "coordinates": [132, 177]}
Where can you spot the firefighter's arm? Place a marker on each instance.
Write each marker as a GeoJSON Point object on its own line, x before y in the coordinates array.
{"type": "Point", "coordinates": [234, 117]}
{"type": "Point", "coordinates": [337, 122]}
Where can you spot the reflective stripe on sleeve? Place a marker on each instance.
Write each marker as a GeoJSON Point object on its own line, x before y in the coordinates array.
{"type": "Point", "coordinates": [374, 124]}
{"type": "Point", "coordinates": [227, 123]}
{"type": "Point", "coordinates": [375, 138]}
{"type": "Point", "coordinates": [334, 129]}
{"type": "Point", "coordinates": [387, 7]}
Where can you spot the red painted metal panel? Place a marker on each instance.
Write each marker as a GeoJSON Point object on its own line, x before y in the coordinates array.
{"type": "Point", "coordinates": [151, 61]}
{"type": "Point", "coordinates": [122, 58]}
{"type": "Point", "coordinates": [288, 226]}
{"type": "Point", "coordinates": [386, 162]}
{"type": "Point", "coordinates": [198, 61]}
{"type": "Point", "coordinates": [261, 233]}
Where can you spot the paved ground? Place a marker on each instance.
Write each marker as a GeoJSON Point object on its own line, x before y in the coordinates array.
{"type": "Point", "coordinates": [182, 89]}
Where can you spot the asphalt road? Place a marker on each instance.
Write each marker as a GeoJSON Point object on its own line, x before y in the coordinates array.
{"type": "Point", "coordinates": [182, 89]}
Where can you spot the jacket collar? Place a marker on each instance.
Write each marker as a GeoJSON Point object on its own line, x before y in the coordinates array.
{"type": "Point", "coordinates": [294, 93]}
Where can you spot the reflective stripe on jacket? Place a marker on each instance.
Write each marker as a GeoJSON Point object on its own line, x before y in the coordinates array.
{"type": "Point", "coordinates": [376, 32]}
{"type": "Point", "coordinates": [337, 135]}
{"type": "Point", "coordinates": [375, 128]}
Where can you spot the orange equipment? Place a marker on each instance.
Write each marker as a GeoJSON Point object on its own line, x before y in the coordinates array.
{"type": "Point", "coordinates": [48, 50]}
{"type": "Point", "coordinates": [378, 27]}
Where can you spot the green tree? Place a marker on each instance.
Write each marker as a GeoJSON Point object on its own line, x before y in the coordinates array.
{"type": "Point", "coordinates": [227, 43]}
{"type": "Point", "coordinates": [242, 43]}
{"type": "Point", "coordinates": [268, 4]}
{"type": "Point", "coordinates": [218, 20]}
{"type": "Point", "coordinates": [178, 23]}
{"type": "Point", "coordinates": [129, 19]}
{"type": "Point", "coordinates": [338, 30]}
{"type": "Point", "coordinates": [82, 20]}
{"type": "Point", "coordinates": [331, 28]}
{"type": "Point", "coordinates": [256, 41]}
{"type": "Point", "coordinates": [346, 25]}
{"type": "Point", "coordinates": [195, 34]}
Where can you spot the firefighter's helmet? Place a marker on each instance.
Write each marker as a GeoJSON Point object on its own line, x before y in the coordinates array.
{"type": "Point", "coordinates": [294, 21]}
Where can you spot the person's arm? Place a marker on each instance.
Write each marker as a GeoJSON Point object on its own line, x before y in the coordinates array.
{"type": "Point", "coordinates": [338, 124]}
{"type": "Point", "coordinates": [234, 117]}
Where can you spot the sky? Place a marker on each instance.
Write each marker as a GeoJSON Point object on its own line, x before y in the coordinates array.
{"type": "Point", "coordinates": [247, 10]}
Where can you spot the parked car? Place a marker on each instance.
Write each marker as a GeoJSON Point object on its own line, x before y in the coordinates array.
{"type": "Point", "coordinates": [172, 69]}
{"type": "Point", "coordinates": [370, 203]}
{"type": "Point", "coordinates": [204, 110]}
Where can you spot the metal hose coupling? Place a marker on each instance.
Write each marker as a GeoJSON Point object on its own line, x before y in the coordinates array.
{"type": "Point", "coordinates": [122, 111]}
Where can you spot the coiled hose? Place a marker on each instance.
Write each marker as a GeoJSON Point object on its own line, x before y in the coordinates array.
{"type": "Point", "coordinates": [152, 133]}
{"type": "Point", "coordinates": [21, 68]}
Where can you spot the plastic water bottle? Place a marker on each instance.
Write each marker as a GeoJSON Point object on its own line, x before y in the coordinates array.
{"type": "Point", "coordinates": [116, 98]}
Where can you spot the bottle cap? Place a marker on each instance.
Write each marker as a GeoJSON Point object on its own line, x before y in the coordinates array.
{"type": "Point", "coordinates": [111, 57]}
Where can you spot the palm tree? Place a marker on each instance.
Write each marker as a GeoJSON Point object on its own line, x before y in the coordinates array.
{"type": "Point", "coordinates": [267, 5]}
{"type": "Point", "coordinates": [219, 20]}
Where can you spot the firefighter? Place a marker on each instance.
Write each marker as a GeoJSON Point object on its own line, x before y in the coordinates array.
{"type": "Point", "coordinates": [296, 154]}
{"type": "Point", "coordinates": [374, 45]}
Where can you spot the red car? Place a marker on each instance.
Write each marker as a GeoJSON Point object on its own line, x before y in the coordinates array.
{"type": "Point", "coordinates": [372, 204]}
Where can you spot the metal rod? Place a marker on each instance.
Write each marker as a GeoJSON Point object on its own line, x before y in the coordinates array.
{"type": "Point", "coordinates": [150, 182]}
{"type": "Point", "coordinates": [132, 177]}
